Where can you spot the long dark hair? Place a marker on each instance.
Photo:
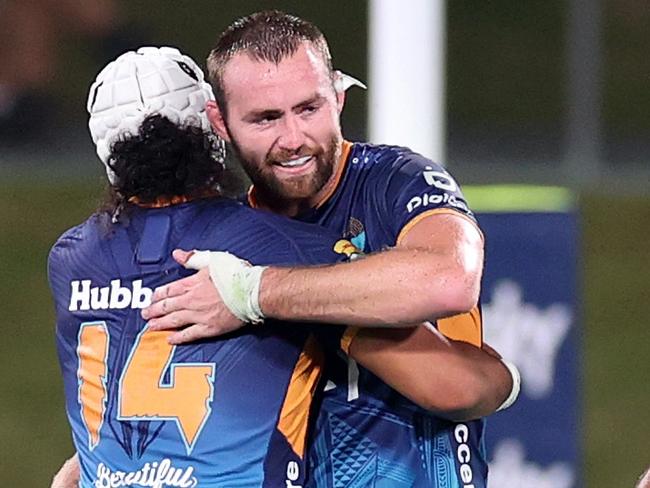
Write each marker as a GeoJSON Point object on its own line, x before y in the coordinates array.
{"type": "Point", "coordinates": [162, 161]}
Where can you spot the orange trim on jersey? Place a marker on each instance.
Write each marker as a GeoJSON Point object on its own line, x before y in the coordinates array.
{"type": "Point", "coordinates": [346, 147]}
{"type": "Point", "coordinates": [347, 338]}
{"type": "Point", "coordinates": [466, 327]}
{"type": "Point", "coordinates": [411, 223]}
{"type": "Point", "coordinates": [166, 201]}
{"type": "Point", "coordinates": [294, 416]}
{"type": "Point", "coordinates": [251, 197]}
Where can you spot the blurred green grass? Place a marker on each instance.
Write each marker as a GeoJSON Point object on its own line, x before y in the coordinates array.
{"type": "Point", "coordinates": [616, 279]}
{"type": "Point", "coordinates": [33, 427]}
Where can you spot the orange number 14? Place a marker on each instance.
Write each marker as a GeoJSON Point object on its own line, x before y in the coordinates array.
{"type": "Point", "coordinates": [184, 399]}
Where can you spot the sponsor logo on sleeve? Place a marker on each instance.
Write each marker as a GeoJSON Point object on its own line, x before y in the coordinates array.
{"type": "Point", "coordinates": [439, 179]}
{"type": "Point", "coordinates": [447, 186]}
{"type": "Point", "coordinates": [435, 200]}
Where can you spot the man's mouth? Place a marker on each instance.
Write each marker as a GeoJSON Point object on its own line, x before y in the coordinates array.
{"type": "Point", "coordinates": [295, 163]}
{"type": "Point", "coordinates": [298, 167]}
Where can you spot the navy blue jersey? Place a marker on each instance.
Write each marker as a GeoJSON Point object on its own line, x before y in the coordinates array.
{"type": "Point", "coordinates": [219, 413]}
{"type": "Point", "coordinates": [368, 434]}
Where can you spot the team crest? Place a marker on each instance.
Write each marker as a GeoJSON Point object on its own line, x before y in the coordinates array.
{"type": "Point", "coordinates": [356, 233]}
{"type": "Point", "coordinates": [343, 246]}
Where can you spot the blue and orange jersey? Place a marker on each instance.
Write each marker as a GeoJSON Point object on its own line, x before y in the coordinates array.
{"type": "Point", "coordinates": [367, 433]}
{"type": "Point", "coordinates": [232, 411]}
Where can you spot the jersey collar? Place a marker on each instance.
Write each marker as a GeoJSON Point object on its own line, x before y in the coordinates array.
{"type": "Point", "coordinates": [166, 201]}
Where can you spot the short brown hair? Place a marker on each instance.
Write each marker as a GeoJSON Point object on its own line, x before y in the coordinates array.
{"type": "Point", "coordinates": [270, 35]}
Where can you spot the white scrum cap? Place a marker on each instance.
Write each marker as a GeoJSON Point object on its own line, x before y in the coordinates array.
{"type": "Point", "coordinates": [153, 80]}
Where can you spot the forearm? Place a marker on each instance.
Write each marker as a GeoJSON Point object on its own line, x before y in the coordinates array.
{"type": "Point", "coordinates": [399, 287]}
{"type": "Point", "coordinates": [455, 380]}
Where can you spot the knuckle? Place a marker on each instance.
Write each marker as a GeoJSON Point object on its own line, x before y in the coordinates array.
{"type": "Point", "coordinates": [160, 292]}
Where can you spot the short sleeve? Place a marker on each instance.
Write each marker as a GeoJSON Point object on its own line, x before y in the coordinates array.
{"type": "Point", "coordinates": [412, 185]}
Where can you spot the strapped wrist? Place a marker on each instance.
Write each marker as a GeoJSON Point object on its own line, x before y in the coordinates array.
{"type": "Point", "coordinates": [237, 281]}
{"type": "Point", "coordinates": [516, 385]}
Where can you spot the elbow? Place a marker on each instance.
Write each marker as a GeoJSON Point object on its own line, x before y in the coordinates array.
{"type": "Point", "coordinates": [465, 289]}
{"type": "Point", "coordinates": [461, 300]}
{"type": "Point", "coordinates": [457, 404]}
{"type": "Point", "coordinates": [459, 294]}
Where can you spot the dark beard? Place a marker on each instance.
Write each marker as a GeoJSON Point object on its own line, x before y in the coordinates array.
{"type": "Point", "coordinates": [274, 191]}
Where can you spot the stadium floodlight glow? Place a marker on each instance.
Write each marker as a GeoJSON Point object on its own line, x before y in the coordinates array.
{"type": "Point", "coordinates": [407, 45]}
{"type": "Point", "coordinates": [141, 83]}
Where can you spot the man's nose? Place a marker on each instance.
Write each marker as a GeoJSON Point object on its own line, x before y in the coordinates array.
{"type": "Point", "coordinates": [292, 136]}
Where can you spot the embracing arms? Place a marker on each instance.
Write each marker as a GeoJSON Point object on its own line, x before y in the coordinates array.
{"type": "Point", "coordinates": [452, 379]}
{"type": "Point", "coordinates": [433, 272]}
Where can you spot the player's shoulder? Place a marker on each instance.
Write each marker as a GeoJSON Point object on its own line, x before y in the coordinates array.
{"type": "Point", "coordinates": [81, 236]}
{"type": "Point", "coordinates": [384, 160]}
{"type": "Point", "coordinates": [78, 245]}
{"type": "Point", "coordinates": [394, 167]}
{"type": "Point", "coordinates": [263, 237]}
{"type": "Point", "coordinates": [264, 221]}
{"type": "Point", "coordinates": [228, 216]}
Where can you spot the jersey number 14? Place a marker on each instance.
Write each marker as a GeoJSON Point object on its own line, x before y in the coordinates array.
{"type": "Point", "coordinates": [143, 395]}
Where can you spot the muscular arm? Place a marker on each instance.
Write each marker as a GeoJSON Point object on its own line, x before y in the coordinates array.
{"type": "Point", "coordinates": [434, 272]}
{"type": "Point", "coordinates": [455, 380]}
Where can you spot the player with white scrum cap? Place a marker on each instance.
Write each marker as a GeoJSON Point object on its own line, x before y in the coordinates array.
{"type": "Point", "coordinates": [151, 80]}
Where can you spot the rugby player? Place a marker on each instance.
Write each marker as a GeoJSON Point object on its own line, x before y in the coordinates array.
{"type": "Point", "coordinates": [278, 102]}
{"type": "Point", "coordinates": [137, 421]}
{"type": "Point", "coordinates": [231, 412]}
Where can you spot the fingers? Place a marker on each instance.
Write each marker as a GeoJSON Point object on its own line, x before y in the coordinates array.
{"type": "Point", "coordinates": [176, 320]}
{"type": "Point", "coordinates": [175, 288]}
{"type": "Point", "coordinates": [163, 307]}
{"type": "Point", "coordinates": [170, 297]}
{"type": "Point", "coordinates": [191, 333]}
{"type": "Point", "coordinates": [182, 256]}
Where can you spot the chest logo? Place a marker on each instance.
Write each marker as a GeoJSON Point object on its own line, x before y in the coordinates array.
{"type": "Point", "coordinates": [356, 233]}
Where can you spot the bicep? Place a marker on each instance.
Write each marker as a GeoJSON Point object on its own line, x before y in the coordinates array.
{"type": "Point", "coordinates": [445, 231]}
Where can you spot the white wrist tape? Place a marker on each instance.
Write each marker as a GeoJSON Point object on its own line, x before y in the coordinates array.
{"type": "Point", "coordinates": [236, 280]}
{"type": "Point", "coordinates": [516, 385]}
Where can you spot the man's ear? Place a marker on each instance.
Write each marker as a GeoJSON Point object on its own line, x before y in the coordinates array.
{"type": "Point", "coordinates": [340, 100]}
{"type": "Point", "coordinates": [339, 88]}
{"type": "Point", "coordinates": [216, 119]}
